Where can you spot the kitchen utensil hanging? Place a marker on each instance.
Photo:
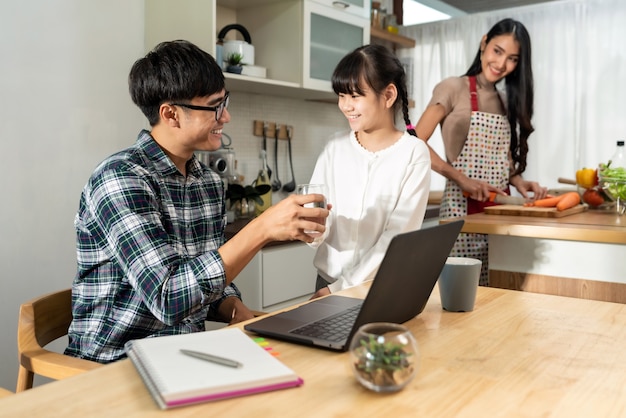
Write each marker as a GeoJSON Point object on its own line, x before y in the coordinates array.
{"type": "Point", "coordinates": [276, 182]}
{"type": "Point", "coordinates": [291, 186]}
{"type": "Point", "coordinates": [266, 166]}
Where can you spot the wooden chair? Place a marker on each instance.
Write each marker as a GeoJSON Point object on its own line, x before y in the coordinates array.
{"type": "Point", "coordinates": [41, 321]}
{"type": "Point", "coordinates": [5, 392]}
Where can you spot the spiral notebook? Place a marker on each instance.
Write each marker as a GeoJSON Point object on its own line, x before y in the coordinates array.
{"type": "Point", "coordinates": [175, 379]}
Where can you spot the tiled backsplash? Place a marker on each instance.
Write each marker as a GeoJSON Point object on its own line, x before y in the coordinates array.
{"type": "Point", "coordinates": [313, 124]}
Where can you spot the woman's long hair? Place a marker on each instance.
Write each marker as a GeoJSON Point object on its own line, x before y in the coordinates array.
{"type": "Point", "coordinates": [519, 90]}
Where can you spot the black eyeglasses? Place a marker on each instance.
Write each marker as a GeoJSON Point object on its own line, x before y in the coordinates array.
{"type": "Point", "coordinates": [219, 109]}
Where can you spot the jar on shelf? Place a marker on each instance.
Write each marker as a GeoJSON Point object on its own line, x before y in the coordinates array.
{"type": "Point", "coordinates": [391, 24]}
{"type": "Point", "coordinates": [383, 18]}
{"type": "Point", "coordinates": [376, 17]}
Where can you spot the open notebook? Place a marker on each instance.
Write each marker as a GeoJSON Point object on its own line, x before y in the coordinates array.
{"type": "Point", "coordinates": [175, 379]}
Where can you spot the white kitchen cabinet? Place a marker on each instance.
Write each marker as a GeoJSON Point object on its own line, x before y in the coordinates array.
{"type": "Point", "coordinates": [361, 8]}
{"type": "Point", "coordinates": [278, 276]}
{"type": "Point", "coordinates": [329, 35]}
{"type": "Point", "coordinates": [299, 42]}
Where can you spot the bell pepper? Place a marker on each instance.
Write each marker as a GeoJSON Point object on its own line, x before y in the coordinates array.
{"type": "Point", "coordinates": [587, 177]}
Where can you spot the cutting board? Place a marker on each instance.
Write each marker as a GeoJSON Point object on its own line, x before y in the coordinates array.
{"type": "Point", "coordinates": [515, 210]}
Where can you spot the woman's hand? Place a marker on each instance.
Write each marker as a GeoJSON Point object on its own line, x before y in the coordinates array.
{"type": "Point", "coordinates": [477, 190]}
{"type": "Point", "coordinates": [525, 186]}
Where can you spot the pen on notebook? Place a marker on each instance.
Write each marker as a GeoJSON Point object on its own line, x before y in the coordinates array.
{"type": "Point", "coordinates": [212, 358]}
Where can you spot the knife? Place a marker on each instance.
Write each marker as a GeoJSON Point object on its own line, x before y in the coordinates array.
{"type": "Point", "coordinates": [503, 199]}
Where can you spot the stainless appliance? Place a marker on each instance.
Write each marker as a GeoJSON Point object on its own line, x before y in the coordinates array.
{"type": "Point", "coordinates": [221, 161]}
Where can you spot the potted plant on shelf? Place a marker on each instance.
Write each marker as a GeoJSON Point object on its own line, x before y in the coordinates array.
{"type": "Point", "coordinates": [234, 63]}
{"type": "Point", "coordinates": [243, 198]}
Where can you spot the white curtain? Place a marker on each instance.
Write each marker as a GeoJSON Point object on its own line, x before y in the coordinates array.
{"type": "Point", "coordinates": [579, 69]}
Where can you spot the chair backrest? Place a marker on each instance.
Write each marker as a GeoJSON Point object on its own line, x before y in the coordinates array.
{"type": "Point", "coordinates": [5, 392]}
{"type": "Point", "coordinates": [41, 321]}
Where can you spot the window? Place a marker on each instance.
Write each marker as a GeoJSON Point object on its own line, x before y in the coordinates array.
{"type": "Point", "coordinates": [415, 12]}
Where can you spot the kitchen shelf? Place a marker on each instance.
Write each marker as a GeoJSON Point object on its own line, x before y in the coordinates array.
{"type": "Point", "coordinates": [269, 87]}
{"type": "Point", "coordinates": [398, 40]}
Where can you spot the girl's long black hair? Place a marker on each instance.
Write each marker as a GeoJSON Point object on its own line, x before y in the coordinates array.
{"type": "Point", "coordinates": [378, 67]}
{"type": "Point", "coordinates": [519, 90]}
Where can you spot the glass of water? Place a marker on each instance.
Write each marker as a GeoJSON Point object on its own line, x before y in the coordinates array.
{"type": "Point", "coordinates": [315, 189]}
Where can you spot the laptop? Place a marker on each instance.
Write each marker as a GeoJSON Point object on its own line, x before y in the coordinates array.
{"type": "Point", "coordinates": [399, 292]}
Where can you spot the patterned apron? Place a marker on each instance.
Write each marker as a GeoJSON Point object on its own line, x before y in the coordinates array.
{"type": "Point", "coordinates": [484, 156]}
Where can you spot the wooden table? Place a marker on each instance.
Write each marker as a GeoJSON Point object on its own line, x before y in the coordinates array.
{"type": "Point", "coordinates": [517, 354]}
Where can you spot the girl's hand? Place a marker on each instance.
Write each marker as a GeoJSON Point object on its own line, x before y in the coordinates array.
{"type": "Point", "coordinates": [322, 292]}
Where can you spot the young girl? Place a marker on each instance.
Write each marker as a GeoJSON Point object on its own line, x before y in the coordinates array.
{"type": "Point", "coordinates": [485, 137]}
{"type": "Point", "coordinates": [378, 177]}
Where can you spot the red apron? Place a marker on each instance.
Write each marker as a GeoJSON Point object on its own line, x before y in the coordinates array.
{"type": "Point", "coordinates": [484, 156]}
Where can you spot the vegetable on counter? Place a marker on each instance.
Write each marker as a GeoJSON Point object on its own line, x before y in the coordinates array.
{"type": "Point", "coordinates": [613, 180]}
{"type": "Point", "coordinates": [568, 200]}
{"type": "Point", "coordinates": [562, 202]}
{"type": "Point", "coordinates": [587, 177]}
{"type": "Point", "coordinates": [548, 202]}
{"type": "Point", "coordinates": [593, 197]}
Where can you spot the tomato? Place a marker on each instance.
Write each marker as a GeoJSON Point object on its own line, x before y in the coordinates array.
{"type": "Point", "coordinates": [593, 197]}
{"type": "Point", "coordinates": [587, 177]}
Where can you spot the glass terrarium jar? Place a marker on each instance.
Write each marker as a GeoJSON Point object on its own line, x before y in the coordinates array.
{"type": "Point", "coordinates": [384, 356]}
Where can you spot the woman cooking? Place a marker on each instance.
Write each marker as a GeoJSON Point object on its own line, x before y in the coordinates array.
{"type": "Point", "coordinates": [485, 135]}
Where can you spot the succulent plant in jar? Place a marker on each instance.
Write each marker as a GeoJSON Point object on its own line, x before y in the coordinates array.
{"type": "Point", "coordinates": [385, 356]}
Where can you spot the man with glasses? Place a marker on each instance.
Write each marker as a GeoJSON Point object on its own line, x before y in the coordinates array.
{"type": "Point", "coordinates": [152, 259]}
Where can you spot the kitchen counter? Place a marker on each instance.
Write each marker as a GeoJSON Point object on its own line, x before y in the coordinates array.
{"type": "Point", "coordinates": [580, 255]}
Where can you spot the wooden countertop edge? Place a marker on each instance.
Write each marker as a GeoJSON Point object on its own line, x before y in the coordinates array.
{"type": "Point", "coordinates": [566, 232]}
{"type": "Point", "coordinates": [549, 232]}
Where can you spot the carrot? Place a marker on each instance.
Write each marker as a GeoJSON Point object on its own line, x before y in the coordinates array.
{"type": "Point", "coordinates": [548, 202]}
{"type": "Point", "coordinates": [568, 200]}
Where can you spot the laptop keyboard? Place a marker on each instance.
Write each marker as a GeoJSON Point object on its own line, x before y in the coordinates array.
{"type": "Point", "coordinates": [332, 328]}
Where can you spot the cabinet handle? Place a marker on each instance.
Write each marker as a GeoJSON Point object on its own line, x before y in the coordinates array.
{"type": "Point", "coordinates": [340, 5]}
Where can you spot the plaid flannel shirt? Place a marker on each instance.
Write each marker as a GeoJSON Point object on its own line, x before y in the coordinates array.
{"type": "Point", "coordinates": [147, 240]}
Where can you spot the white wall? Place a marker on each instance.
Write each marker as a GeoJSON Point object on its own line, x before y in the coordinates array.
{"type": "Point", "coordinates": [63, 84]}
{"type": "Point", "coordinates": [63, 68]}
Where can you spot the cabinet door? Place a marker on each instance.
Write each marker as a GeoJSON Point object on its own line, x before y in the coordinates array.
{"type": "Point", "coordinates": [288, 273]}
{"type": "Point", "coordinates": [329, 35]}
{"type": "Point", "coordinates": [356, 7]}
